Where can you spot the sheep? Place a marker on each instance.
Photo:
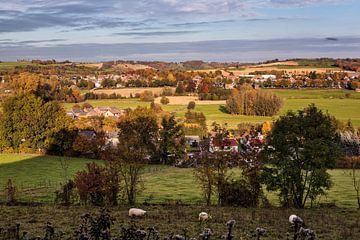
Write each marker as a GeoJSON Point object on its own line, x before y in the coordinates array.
{"type": "Point", "coordinates": [293, 219]}
{"type": "Point", "coordinates": [203, 216]}
{"type": "Point", "coordinates": [136, 212]}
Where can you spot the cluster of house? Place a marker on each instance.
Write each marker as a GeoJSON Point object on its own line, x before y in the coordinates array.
{"type": "Point", "coordinates": [96, 112]}
{"type": "Point", "coordinates": [97, 80]}
{"type": "Point", "coordinates": [231, 144]}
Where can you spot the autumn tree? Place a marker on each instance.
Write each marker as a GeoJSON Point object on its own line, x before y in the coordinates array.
{"type": "Point", "coordinates": [172, 140]}
{"type": "Point", "coordinates": [30, 122]}
{"type": "Point", "coordinates": [248, 101]}
{"type": "Point", "coordinates": [301, 147]}
{"type": "Point", "coordinates": [138, 135]}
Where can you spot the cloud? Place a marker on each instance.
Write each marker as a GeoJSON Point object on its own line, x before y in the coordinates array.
{"type": "Point", "coordinates": [85, 15]}
{"type": "Point", "coordinates": [154, 33]}
{"type": "Point", "coordinates": [222, 50]}
{"type": "Point", "coordinates": [300, 2]}
{"type": "Point", "coordinates": [11, 42]}
{"type": "Point", "coordinates": [194, 24]}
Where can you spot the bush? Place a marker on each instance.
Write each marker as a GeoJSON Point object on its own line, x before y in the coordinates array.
{"type": "Point", "coordinates": [66, 195]}
{"type": "Point", "coordinates": [164, 100]}
{"type": "Point", "coordinates": [237, 193]}
{"type": "Point", "coordinates": [96, 185]}
{"type": "Point", "coordinates": [147, 96]}
{"type": "Point", "coordinates": [191, 105]}
{"type": "Point", "coordinates": [10, 190]}
{"type": "Point", "coordinates": [167, 91]}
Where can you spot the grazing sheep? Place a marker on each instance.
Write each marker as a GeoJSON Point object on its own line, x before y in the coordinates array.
{"type": "Point", "coordinates": [260, 231]}
{"type": "Point", "coordinates": [293, 219]}
{"type": "Point", "coordinates": [136, 212]}
{"type": "Point", "coordinates": [203, 216]}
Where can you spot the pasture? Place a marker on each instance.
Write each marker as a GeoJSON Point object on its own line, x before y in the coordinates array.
{"type": "Point", "coordinates": [333, 101]}
{"type": "Point", "coordinates": [125, 92]}
{"type": "Point", "coordinates": [38, 177]}
{"type": "Point", "coordinates": [327, 223]}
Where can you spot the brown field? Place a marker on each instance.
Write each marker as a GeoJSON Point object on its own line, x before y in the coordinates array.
{"type": "Point", "coordinates": [127, 91]}
{"type": "Point", "coordinates": [287, 63]}
{"type": "Point", "coordinates": [93, 65]}
{"type": "Point", "coordinates": [128, 66]}
{"type": "Point", "coordinates": [287, 66]}
{"type": "Point", "coordinates": [279, 68]}
{"type": "Point", "coordinates": [183, 100]}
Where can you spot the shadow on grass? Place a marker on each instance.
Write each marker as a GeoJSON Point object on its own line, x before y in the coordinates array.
{"type": "Point", "coordinates": [223, 109]}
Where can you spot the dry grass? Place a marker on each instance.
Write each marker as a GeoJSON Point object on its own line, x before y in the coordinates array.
{"type": "Point", "coordinates": [287, 63]}
{"type": "Point", "coordinates": [295, 69]}
{"type": "Point", "coordinates": [184, 100]}
{"type": "Point", "coordinates": [128, 66]}
{"type": "Point", "coordinates": [92, 65]}
{"type": "Point", "coordinates": [327, 223]}
{"type": "Point", "coordinates": [287, 66]}
{"type": "Point", "coordinates": [125, 92]}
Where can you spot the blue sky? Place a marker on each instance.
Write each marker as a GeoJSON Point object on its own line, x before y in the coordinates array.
{"type": "Point", "coordinates": [45, 28]}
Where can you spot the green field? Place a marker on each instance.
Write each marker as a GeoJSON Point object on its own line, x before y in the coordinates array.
{"type": "Point", "coordinates": [37, 177]}
{"type": "Point", "coordinates": [333, 101]}
{"type": "Point", "coordinates": [10, 65]}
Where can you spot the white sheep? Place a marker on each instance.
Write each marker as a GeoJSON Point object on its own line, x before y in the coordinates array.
{"type": "Point", "coordinates": [295, 219]}
{"type": "Point", "coordinates": [203, 216]}
{"type": "Point", "coordinates": [136, 212]}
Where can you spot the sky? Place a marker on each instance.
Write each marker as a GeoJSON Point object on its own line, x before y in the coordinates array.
{"type": "Point", "coordinates": [178, 30]}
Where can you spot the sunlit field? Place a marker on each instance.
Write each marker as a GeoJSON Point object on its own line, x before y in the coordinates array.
{"type": "Point", "coordinates": [333, 101]}
{"type": "Point", "coordinates": [38, 177]}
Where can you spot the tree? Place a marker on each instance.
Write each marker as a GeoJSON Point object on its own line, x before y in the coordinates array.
{"type": "Point", "coordinates": [248, 101]}
{"type": "Point", "coordinates": [300, 148]}
{"type": "Point", "coordinates": [191, 105]}
{"type": "Point", "coordinates": [138, 134]}
{"type": "Point", "coordinates": [180, 89]}
{"type": "Point", "coordinates": [140, 127]}
{"type": "Point", "coordinates": [170, 77]}
{"type": "Point", "coordinates": [172, 140]}
{"type": "Point", "coordinates": [30, 122]}
{"type": "Point", "coordinates": [164, 100]}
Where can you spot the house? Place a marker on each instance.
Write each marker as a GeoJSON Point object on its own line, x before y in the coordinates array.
{"type": "Point", "coordinates": [114, 112]}
{"type": "Point", "coordinates": [76, 113]}
{"type": "Point", "coordinates": [93, 113]}
{"type": "Point", "coordinates": [228, 144]}
{"type": "Point", "coordinates": [109, 111]}
{"type": "Point", "coordinates": [87, 133]}
{"type": "Point", "coordinates": [192, 140]}
{"type": "Point", "coordinates": [112, 138]}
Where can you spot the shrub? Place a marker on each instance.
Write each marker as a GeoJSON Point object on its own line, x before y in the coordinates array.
{"type": "Point", "coordinates": [191, 105]}
{"type": "Point", "coordinates": [96, 185]}
{"type": "Point", "coordinates": [66, 195]}
{"type": "Point", "coordinates": [147, 96]}
{"type": "Point", "coordinates": [167, 91]}
{"type": "Point", "coordinates": [237, 193]}
{"type": "Point", "coordinates": [164, 100]}
{"type": "Point", "coordinates": [10, 190]}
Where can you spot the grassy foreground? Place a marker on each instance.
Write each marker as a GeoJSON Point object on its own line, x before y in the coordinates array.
{"type": "Point", "coordinates": [37, 177]}
{"type": "Point", "coordinates": [327, 223]}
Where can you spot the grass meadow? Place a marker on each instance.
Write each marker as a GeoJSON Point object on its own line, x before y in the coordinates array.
{"type": "Point", "coordinates": [333, 101]}
{"type": "Point", "coordinates": [37, 177]}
